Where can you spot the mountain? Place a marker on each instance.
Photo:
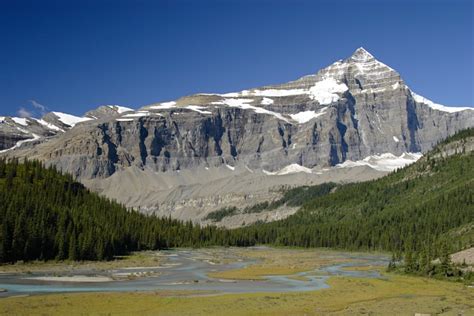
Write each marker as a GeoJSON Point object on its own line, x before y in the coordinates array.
{"type": "Point", "coordinates": [351, 121]}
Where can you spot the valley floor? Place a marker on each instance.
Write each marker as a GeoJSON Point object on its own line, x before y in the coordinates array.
{"type": "Point", "coordinates": [389, 294]}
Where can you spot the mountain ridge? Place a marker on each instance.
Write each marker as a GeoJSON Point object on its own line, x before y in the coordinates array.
{"type": "Point", "coordinates": [186, 157]}
{"type": "Point", "coordinates": [360, 55]}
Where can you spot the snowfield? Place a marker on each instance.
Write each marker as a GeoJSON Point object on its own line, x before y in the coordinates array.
{"type": "Point", "coordinates": [451, 109]}
{"type": "Point", "coordinates": [69, 119]}
{"type": "Point", "coordinates": [120, 109]}
{"type": "Point", "coordinates": [383, 162]}
{"type": "Point", "coordinates": [293, 168]}
{"type": "Point", "coordinates": [306, 116]}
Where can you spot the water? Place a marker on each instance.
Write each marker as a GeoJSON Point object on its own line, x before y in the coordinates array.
{"type": "Point", "coordinates": [187, 270]}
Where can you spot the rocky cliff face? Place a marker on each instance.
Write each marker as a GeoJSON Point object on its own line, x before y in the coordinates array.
{"type": "Point", "coordinates": [352, 109]}
{"type": "Point", "coordinates": [15, 132]}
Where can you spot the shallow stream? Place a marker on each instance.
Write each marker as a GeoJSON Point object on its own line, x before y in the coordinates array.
{"type": "Point", "coordinates": [184, 269]}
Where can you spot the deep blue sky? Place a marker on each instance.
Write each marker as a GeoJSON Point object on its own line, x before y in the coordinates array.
{"type": "Point", "coordinates": [72, 56]}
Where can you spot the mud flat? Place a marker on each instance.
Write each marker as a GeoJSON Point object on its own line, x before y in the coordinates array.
{"type": "Point", "coordinates": [75, 278]}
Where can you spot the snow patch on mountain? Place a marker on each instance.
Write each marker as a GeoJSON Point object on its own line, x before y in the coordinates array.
{"type": "Point", "coordinates": [20, 120]}
{"type": "Point", "coordinates": [293, 168]}
{"type": "Point", "coordinates": [163, 106]}
{"type": "Point", "coordinates": [327, 91]}
{"type": "Point", "coordinates": [383, 162]}
{"type": "Point", "coordinates": [120, 109]}
{"type": "Point", "coordinates": [198, 108]}
{"type": "Point", "coordinates": [267, 101]}
{"type": "Point", "coordinates": [265, 93]}
{"type": "Point", "coordinates": [69, 119]}
{"type": "Point", "coordinates": [242, 103]}
{"type": "Point", "coordinates": [137, 114]}
{"type": "Point", "coordinates": [24, 131]}
{"type": "Point", "coordinates": [21, 142]}
{"type": "Point", "coordinates": [48, 125]}
{"type": "Point", "coordinates": [306, 116]}
{"type": "Point", "coordinates": [451, 109]}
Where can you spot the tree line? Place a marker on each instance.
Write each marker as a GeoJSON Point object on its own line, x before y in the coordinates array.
{"type": "Point", "coordinates": [409, 210]}
{"type": "Point", "coordinates": [48, 215]}
{"type": "Point", "coordinates": [417, 209]}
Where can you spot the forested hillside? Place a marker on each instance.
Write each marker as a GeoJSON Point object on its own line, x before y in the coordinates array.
{"type": "Point", "coordinates": [419, 209]}
{"type": "Point", "coordinates": [47, 215]}
{"type": "Point", "coordinates": [409, 210]}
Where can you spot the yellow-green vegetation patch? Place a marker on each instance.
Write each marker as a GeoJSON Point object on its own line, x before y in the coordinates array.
{"type": "Point", "coordinates": [365, 268]}
{"type": "Point", "coordinates": [139, 259]}
{"type": "Point", "coordinates": [281, 261]}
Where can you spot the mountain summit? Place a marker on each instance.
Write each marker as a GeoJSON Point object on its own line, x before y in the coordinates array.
{"type": "Point", "coordinates": [361, 55]}
{"type": "Point", "coordinates": [187, 156]}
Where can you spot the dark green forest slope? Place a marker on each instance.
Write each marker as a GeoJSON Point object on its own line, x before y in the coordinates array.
{"type": "Point", "coordinates": [411, 209]}
{"type": "Point", "coordinates": [47, 215]}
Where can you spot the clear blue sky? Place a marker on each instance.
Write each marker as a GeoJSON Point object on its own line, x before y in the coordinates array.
{"type": "Point", "coordinates": [72, 56]}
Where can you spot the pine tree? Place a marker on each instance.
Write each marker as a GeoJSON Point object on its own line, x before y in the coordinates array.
{"type": "Point", "coordinates": [410, 262]}
{"type": "Point", "coordinates": [445, 261]}
{"type": "Point", "coordinates": [392, 264]}
{"type": "Point", "coordinates": [73, 248]}
{"type": "Point", "coordinates": [425, 262]}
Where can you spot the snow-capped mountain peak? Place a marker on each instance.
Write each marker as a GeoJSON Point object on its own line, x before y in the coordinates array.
{"type": "Point", "coordinates": [349, 121]}
{"type": "Point", "coordinates": [361, 55]}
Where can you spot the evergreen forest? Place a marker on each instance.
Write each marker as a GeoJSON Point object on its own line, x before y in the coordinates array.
{"type": "Point", "coordinates": [418, 211]}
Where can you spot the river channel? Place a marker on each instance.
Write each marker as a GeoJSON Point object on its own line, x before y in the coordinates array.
{"type": "Point", "coordinates": [183, 269]}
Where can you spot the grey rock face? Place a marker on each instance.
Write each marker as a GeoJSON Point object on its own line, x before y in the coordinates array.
{"type": "Point", "coordinates": [9, 135]}
{"type": "Point", "coordinates": [15, 131]}
{"type": "Point", "coordinates": [107, 112]}
{"type": "Point", "coordinates": [362, 108]}
{"type": "Point", "coordinates": [352, 109]}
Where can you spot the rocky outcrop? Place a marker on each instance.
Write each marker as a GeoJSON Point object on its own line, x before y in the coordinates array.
{"type": "Point", "coordinates": [16, 132]}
